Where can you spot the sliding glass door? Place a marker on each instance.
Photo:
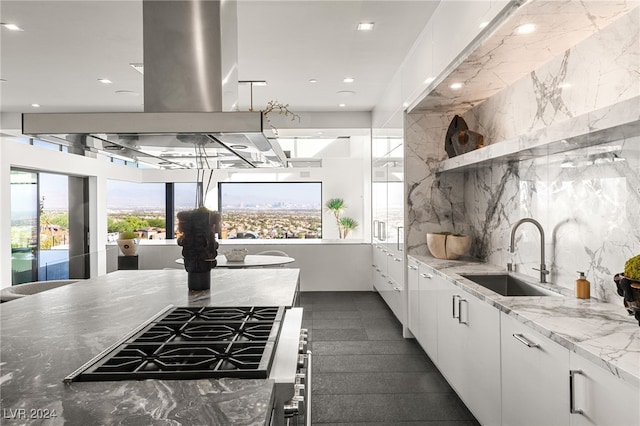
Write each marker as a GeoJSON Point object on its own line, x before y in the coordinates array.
{"type": "Point", "coordinates": [25, 236]}
{"type": "Point", "coordinates": [47, 242]}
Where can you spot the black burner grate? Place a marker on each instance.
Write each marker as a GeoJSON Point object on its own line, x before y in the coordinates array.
{"type": "Point", "coordinates": [192, 343]}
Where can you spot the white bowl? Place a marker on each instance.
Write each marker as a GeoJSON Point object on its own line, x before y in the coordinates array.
{"type": "Point", "coordinates": [236, 255]}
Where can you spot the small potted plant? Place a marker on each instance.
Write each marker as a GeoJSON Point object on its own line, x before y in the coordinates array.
{"type": "Point", "coordinates": [128, 243]}
{"type": "Point", "coordinates": [447, 245]}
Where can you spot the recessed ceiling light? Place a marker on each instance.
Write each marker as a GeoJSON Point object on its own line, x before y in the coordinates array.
{"type": "Point", "coordinates": [525, 29]}
{"type": "Point", "coordinates": [405, 104]}
{"type": "Point", "coordinates": [349, 80]}
{"type": "Point", "coordinates": [313, 80]}
{"type": "Point", "coordinates": [35, 105]}
{"type": "Point", "coordinates": [238, 146]}
{"type": "Point", "coordinates": [105, 81]}
{"type": "Point", "coordinates": [12, 27]}
{"type": "Point", "coordinates": [342, 105]}
{"type": "Point", "coordinates": [138, 67]}
{"type": "Point", "coordinates": [455, 86]}
{"type": "Point", "coordinates": [483, 24]}
{"type": "Point", "coordinates": [345, 93]}
{"type": "Point", "coordinates": [365, 26]}
{"type": "Point", "coordinates": [565, 85]}
{"type": "Point", "coordinates": [127, 93]}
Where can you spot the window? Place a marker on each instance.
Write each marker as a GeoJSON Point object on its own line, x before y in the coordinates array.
{"type": "Point", "coordinates": [270, 209]}
{"type": "Point", "coordinates": [138, 207]}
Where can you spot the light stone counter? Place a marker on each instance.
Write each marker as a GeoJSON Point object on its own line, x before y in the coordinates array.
{"type": "Point", "coordinates": [602, 333]}
{"type": "Point", "coordinates": [48, 335]}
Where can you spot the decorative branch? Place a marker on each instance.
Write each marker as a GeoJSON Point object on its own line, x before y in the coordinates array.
{"type": "Point", "coordinates": [282, 109]}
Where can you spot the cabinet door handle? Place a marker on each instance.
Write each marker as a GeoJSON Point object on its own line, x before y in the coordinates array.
{"type": "Point", "coordinates": [390, 254]}
{"type": "Point", "coordinates": [396, 259]}
{"type": "Point", "coordinates": [453, 307]}
{"type": "Point", "coordinates": [413, 268]}
{"type": "Point", "coordinates": [429, 276]}
{"type": "Point", "coordinates": [398, 245]}
{"type": "Point", "coordinates": [375, 225]}
{"type": "Point", "coordinates": [460, 311]}
{"type": "Point", "coordinates": [520, 338]}
{"type": "Point", "coordinates": [572, 392]}
{"type": "Point", "coordinates": [398, 289]}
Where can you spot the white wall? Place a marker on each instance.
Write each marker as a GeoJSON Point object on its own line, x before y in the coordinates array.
{"type": "Point", "coordinates": [324, 266]}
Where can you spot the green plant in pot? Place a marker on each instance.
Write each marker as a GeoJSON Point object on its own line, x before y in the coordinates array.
{"type": "Point", "coordinates": [447, 245]}
{"type": "Point", "coordinates": [197, 230]}
{"type": "Point", "coordinates": [336, 206]}
{"type": "Point", "coordinates": [128, 243]}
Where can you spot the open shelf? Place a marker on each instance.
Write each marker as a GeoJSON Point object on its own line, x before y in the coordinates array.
{"type": "Point", "coordinates": [615, 122]}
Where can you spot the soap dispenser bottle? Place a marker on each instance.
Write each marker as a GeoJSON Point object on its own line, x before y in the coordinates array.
{"type": "Point", "coordinates": [583, 287]}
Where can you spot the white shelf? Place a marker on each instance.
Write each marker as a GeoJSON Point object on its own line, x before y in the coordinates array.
{"type": "Point", "coordinates": [615, 122]}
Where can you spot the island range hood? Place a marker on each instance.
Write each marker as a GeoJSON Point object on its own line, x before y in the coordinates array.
{"type": "Point", "coordinates": [190, 71]}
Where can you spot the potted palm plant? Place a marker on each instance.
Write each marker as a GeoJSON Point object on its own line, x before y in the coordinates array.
{"type": "Point", "coordinates": [336, 206]}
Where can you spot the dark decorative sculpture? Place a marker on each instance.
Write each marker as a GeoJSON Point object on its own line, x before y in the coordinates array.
{"type": "Point", "coordinates": [197, 230]}
{"type": "Point", "coordinates": [459, 139]}
{"type": "Point", "coordinates": [457, 124]}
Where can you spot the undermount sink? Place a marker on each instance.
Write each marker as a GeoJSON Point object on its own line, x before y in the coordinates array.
{"type": "Point", "coordinates": [508, 285]}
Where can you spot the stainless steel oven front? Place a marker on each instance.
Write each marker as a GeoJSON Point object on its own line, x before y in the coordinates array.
{"type": "Point", "coordinates": [291, 371]}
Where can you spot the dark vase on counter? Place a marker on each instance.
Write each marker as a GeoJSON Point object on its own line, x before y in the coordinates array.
{"type": "Point", "coordinates": [197, 230]}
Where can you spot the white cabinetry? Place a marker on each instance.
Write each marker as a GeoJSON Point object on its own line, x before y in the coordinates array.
{"type": "Point", "coordinates": [388, 219]}
{"type": "Point", "coordinates": [468, 348]}
{"type": "Point", "coordinates": [428, 305]}
{"type": "Point", "coordinates": [506, 372]}
{"type": "Point", "coordinates": [535, 377]}
{"type": "Point", "coordinates": [600, 398]}
{"type": "Point", "coordinates": [413, 294]}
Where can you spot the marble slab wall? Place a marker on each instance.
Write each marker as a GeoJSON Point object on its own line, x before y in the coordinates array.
{"type": "Point", "coordinates": [587, 200]}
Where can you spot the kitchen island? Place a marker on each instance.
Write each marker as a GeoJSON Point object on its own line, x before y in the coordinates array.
{"type": "Point", "coordinates": [46, 336]}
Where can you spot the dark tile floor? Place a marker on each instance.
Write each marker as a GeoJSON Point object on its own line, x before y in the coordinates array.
{"type": "Point", "coordinates": [366, 373]}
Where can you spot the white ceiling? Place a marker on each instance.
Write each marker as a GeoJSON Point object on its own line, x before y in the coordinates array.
{"type": "Point", "coordinates": [66, 46]}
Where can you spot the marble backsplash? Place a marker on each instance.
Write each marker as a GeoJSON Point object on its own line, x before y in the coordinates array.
{"type": "Point", "coordinates": [587, 200]}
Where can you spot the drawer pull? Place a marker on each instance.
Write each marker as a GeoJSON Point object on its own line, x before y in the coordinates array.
{"type": "Point", "coordinates": [412, 267]}
{"type": "Point", "coordinates": [520, 338]}
{"type": "Point", "coordinates": [453, 307]}
{"type": "Point", "coordinates": [460, 311]}
{"type": "Point", "coordinates": [426, 276]}
{"type": "Point", "coordinates": [572, 392]}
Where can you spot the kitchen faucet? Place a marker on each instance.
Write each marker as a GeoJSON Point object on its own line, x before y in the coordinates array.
{"type": "Point", "coordinates": [543, 268]}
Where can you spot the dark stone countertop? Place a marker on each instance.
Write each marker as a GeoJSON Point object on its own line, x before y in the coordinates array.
{"type": "Point", "coordinates": [46, 336]}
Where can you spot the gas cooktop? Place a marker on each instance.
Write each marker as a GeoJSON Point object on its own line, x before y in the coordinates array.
{"type": "Point", "coordinates": [192, 343]}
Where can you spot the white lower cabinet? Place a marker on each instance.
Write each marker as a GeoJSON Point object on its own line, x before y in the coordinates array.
{"type": "Point", "coordinates": [413, 315]}
{"type": "Point", "coordinates": [428, 311]}
{"type": "Point", "coordinates": [600, 398]}
{"type": "Point", "coordinates": [390, 290]}
{"type": "Point", "coordinates": [506, 372]}
{"type": "Point", "coordinates": [535, 377]}
{"type": "Point", "coordinates": [469, 350]}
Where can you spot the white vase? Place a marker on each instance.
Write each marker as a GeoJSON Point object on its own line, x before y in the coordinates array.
{"type": "Point", "coordinates": [128, 247]}
{"type": "Point", "coordinates": [445, 246]}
